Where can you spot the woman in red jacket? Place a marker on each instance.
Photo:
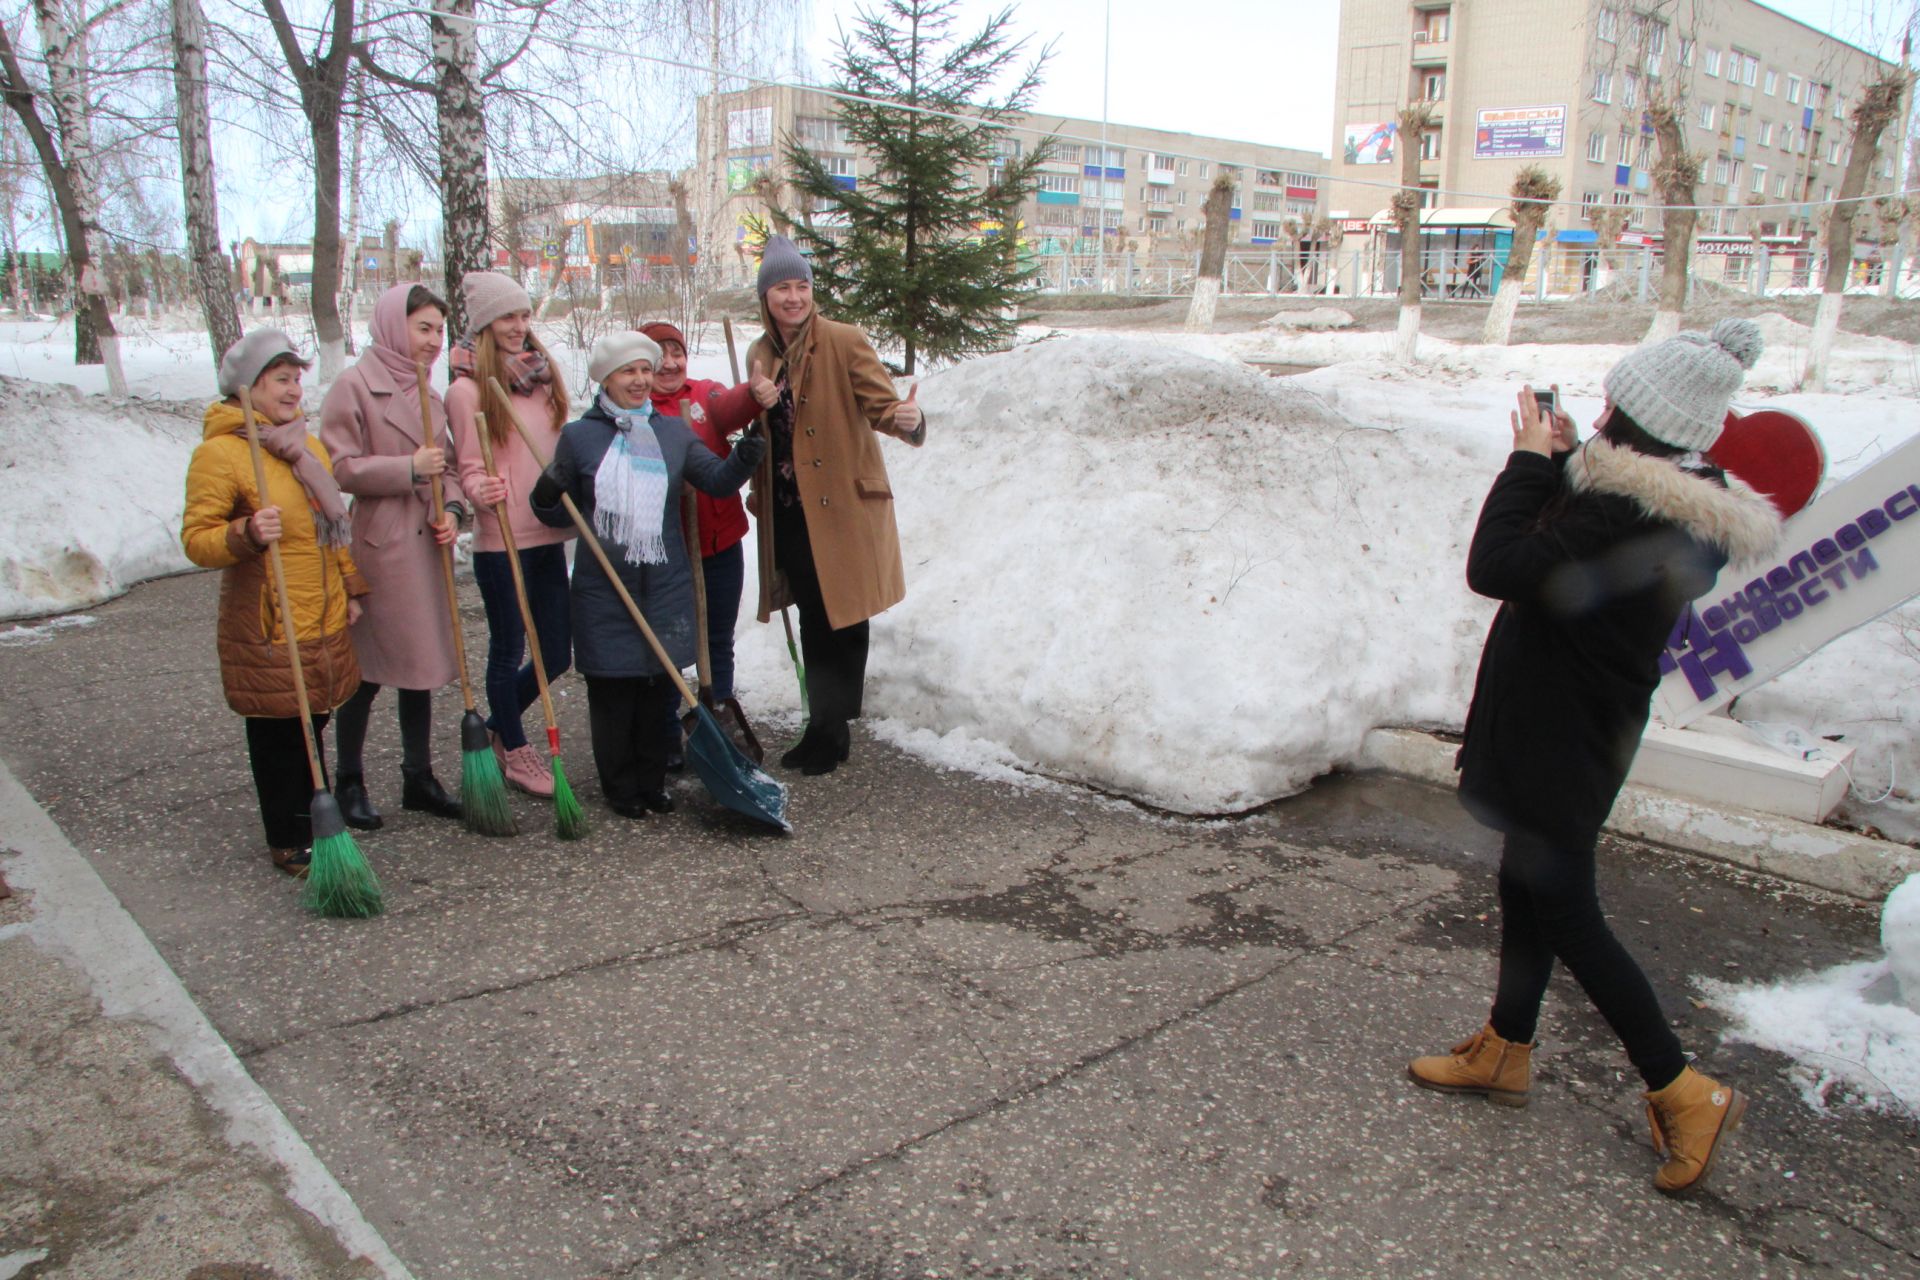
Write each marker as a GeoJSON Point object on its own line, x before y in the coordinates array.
{"type": "Point", "coordinates": [714, 412]}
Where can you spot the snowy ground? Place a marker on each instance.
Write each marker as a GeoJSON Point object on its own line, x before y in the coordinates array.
{"type": "Point", "coordinates": [1133, 562]}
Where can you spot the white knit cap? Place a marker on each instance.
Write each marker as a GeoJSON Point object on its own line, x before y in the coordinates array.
{"type": "Point", "coordinates": [619, 349]}
{"type": "Point", "coordinates": [1678, 390]}
{"type": "Point", "coordinates": [488, 296]}
{"type": "Point", "coordinates": [244, 360]}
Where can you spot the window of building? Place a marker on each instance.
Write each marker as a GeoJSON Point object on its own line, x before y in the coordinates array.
{"type": "Point", "coordinates": [1779, 186]}
{"type": "Point", "coordinates": [1749, 70]}
{"type": "Point", "coordinates": [1771, 83]}
{"type": "Point", "coordinates": [1113, 219]}
{"type": "Point", "coordinates": [1646, 152]}
{"type": "Point", "coordinates": [1204, 166]}
{"type": "Point", "coordinates": [1603, 86]}
{"type": "Point", "coordinates": [1267, 230]}
{"type": "Point", "coordinates": [1793, 90]}
{"type": "Point", "coordinates": [1759, 179]}
{"type": "Point", "coordinates": [1064, 153]}
{"type": "Point", "coordinates": [1157, 223]}
{"type": "Point", "coordinates": [1710, 62]}
{"type": "Point", "coordinates": [1630, 95]}
{"type": "Point", "coordinates": [1183, 168]}
{"type": "Point", "coordinates": [1786, 138]}
{"type": "Point", "coordinates": [1839, 106]}
{"type": "Point", "coordinates": [1433, 85]}
{"type": "Point", "coordinates": [1597, 147]}
{"type": "Point", "coordinates": [1438, 21]}
{"type": "Point", "coordinates": [1766, 133]}
{"type": "Point", "coordinates": [1266, 178]}
{"type": "Point", "coordinates": [1656, 37]}
{"type": "Point", "coordinates": [1266, 202]}
{"type": "Point", "coordinates": [1817, 95]}
{"type": "Point", "coordinates": [1733, 173]}
{"type": "Point", "coordinates": [1430, 144]}
{"type": "Point", "coordinates": [1720, 170]}
{"type": "Point", "coordinates": [1164, 163]}
{"type": "Point", "coordinates": [1060, 182]}
{"type": "Point", "coordinates": [1833, 152]}
{"type": "Point", "coordinates": [1607, 26]}
{"type": "Point", "coordinates": [1686, 53]}
{"type": "Point", "coordinates": [1706, 115]}
{"type": "Point", "coordinates": [1588, 200]}
{"type": "Point", "coordinates": [842, 166]}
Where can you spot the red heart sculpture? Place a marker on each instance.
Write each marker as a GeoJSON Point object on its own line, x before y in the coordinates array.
{"type": "Point", "coordinates": [1776, 453]}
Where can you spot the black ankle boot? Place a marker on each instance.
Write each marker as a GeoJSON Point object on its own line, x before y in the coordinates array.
{"type": "Point", "coordinates": [422, 792]}
{"type": "Point", "coordinates": [811, 744]}
{"type": "Point", "coordinates": [350, 792]}
{"type": "Point", "coordinates": [836, 743]}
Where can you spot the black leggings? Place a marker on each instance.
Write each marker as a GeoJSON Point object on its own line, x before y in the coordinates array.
{"type": "Point", "coordinates": [1550, 907]}
{"type": "Point", "coordinates": [836, 658]}
{"type": "Point", "coordinates": [416, 728]}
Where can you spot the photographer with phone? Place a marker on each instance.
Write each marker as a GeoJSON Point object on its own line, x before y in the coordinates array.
{"type": "Point", "coordinates": [1593, 550]}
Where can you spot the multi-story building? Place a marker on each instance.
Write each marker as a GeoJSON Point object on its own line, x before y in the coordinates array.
{"type": "Point", "coordinates": [596, 231]}
{"type": "Point", "coordinates": [1142, 194]}
{"type": "Point", "coordinates": [1566, 85]}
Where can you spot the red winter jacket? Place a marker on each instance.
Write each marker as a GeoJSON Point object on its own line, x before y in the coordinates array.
{"type": "Point", "coordinates": [715, 412]}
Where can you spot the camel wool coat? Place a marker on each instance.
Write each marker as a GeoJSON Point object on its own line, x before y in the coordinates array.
{"type": "Point", "coordinates": [842, 401]}
{"type": "Point", "coordinates": [370, 424]}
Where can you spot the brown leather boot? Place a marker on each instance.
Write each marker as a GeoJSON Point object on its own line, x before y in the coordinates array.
{"type": "Point", "coordinates": [1690, 1119]}
{"type": "Point", "coordinates": [1499, 1070]}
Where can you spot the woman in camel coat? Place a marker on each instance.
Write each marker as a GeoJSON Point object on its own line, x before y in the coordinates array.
{"type": "Point", "coordinates": [370, 423]}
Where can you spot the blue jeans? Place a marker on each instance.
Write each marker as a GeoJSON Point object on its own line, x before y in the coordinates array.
{"type": "Point", "coordinates": [511, 687]}
{"type": "Point", "coordinates": [726, 572]}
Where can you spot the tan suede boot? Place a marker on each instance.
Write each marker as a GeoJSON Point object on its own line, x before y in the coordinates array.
{"type": "Point", "coordinates": [1499, 1070]}
{"type": "Point", "coordinates": [1690, 1119]}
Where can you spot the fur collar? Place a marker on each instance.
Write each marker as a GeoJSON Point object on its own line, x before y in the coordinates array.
{"type": "Point", "coordinates": [1735, 519]}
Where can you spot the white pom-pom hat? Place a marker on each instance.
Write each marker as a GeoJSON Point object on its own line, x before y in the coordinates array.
{"type": "Point", "coordinates": [1678, 390]}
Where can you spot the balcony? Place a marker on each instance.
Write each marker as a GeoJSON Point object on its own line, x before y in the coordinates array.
{"type": "Point", "coordinates": [1428, 52]}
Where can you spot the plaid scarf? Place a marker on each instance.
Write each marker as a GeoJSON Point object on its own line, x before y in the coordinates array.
{"type": "Point", "coordinates": [526, 369]}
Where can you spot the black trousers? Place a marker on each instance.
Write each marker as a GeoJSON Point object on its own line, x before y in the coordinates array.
{"type": "Point", "coordinates": [836, 658]}
{"type": "Point", "coordinates": [278, 756]}
{"type": "Point", "coordinates": [1550, 908]}
{"type": "Point", "coordinates": [632, 722]}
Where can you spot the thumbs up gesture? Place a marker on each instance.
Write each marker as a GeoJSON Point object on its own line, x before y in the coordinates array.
{"type": "Point", "coordinates": [906, 414]}
{"type": "Point", "coordinates": [763, 388]}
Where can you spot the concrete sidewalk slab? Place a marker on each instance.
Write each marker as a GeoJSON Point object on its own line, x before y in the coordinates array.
{"type": "Point", "coordinates": [136, 1144]}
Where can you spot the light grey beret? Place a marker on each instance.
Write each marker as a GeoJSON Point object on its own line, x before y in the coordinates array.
{"type": "Point", "coordinates": [244, 360]}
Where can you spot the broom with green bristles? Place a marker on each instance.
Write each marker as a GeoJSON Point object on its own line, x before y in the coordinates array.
{"type": "Point", "coordinates": [569, 822]}
{"type": "Point", "coordinates": [483, 792]}
{"type": "Point", "coordinates": [339, 881]}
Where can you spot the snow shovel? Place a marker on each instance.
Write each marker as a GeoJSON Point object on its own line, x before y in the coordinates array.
{"type": "Point", "coordinates": [730, 777]}
{"type": "Point", "coordinates": [766, 561]}
{"type": "Point", "coordinates": [740, 731]}
{"type": "Point", "coordinates": [339, 880]}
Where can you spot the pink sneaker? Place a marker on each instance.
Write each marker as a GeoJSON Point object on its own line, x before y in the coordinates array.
{"type": "Point", "coordinates": [525, 769]}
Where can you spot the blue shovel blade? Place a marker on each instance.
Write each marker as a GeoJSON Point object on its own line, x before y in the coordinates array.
{"type": "Point", "coordinates": [731, 778]}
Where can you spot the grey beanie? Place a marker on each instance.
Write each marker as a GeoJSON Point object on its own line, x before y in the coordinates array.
{"type": "Point", "coordinates": [782, 260]}
{"type": "Point", "coordinates": [244, 360]}
{"type": "Point", "coordinates": [1678, 390]}
{"type": "Point", "coordinates": [619, 349]}
{"type": "Point", "coordinates": [488, 295]}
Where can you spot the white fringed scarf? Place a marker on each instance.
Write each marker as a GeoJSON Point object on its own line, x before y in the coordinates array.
{"type": "Point", "coordinates": [630, 486]}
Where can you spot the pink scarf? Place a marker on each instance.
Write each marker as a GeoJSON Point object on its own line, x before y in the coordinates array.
{"type": "Point", "coordinates": [288, 442]}
{"type": "Point", "coordinates": [389, 332]}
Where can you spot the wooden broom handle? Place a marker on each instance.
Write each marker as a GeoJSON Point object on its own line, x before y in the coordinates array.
{"type": "Point", "coordinates": [446, 549]}
{"type": "Point", "coordinates": [277, 571]}
{"type": "Point", "coordinates": [690, 517]}
{"type": "Point", "coordinates": [606, 566]}
{"type": "Point", "coordinates": [519, 579]}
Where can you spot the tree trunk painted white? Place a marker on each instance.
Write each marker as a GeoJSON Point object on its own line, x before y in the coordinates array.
{"type": "Point", "coordinates": [1826, 323]}
{"type": "Point", "coordinates": [206, 262]}
{"type": "Point", "coordinates": [1206, 297]}
{"type": "Point", "coordinates": [1896, 255]}
{"type": "Point", "coordinates": [1665, 325]}
{"type": "Point", "coordinates": [350, 271]}
{"type": "Point", "coordinates": [63, 45]}
{"type": "Point", "coordinates": [463, 150]}
{"type": "Point", "coordinates": [1506, 301]}
{"type": "Point", "coordinates": [1406, 339]}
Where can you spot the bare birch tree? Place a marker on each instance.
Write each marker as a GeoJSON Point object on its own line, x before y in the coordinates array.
{"type": "Point", "coordinates": [463, 149]}
{"type": "Point", "coordinates": [206, 263]}
{"type": "Point", "coordinates": [1534, 191]}
{"type": "Point", "coordinates": [1213, 255]}
{"type": "Point", "coordinates": [1674, 174]}
{"type": "Point", "coordinates": [1879, 103]}
{"type": "Point", "coordinates": [1410, 123]}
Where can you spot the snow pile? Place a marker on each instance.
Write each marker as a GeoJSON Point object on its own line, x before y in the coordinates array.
{"type": "Point", "coordinates": [1313, 319]}
{"type": "Point", "coordinates": [90, 496]}
{"type": "Point", "coordinates": [1169, 576]}
{"type": "Point", "coordinates": [1845, 1027]}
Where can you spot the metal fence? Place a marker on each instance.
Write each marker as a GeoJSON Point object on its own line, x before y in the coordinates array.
{"type": "Point", "coordinates": [1626, 272]}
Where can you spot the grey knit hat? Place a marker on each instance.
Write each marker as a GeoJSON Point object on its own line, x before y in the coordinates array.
{"type": "Point", "coordinates": [782, 260]}
{"type": "Point", "coordinates": [619, 349]}
{"type": "Point", "coordinates": [1678, 390]}
{"type": "Point", "coordinates": [244, 360]}
{"type": "Point", "coordinates": [488, 296]}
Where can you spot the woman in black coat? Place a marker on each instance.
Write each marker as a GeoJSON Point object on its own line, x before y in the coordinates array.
{"type": "Point", "coordinates": [1593, 551]}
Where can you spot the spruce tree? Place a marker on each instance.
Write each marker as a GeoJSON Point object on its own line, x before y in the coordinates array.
{"type": "Point", "coordinates": [907, 256]}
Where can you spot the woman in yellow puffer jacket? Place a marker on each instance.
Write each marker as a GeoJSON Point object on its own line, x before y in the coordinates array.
{"type": "Point", "coordinates": [228, 525]}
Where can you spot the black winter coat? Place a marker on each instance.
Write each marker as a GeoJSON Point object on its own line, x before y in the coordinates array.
{"type": "Point", "coordinates": [605, 641]}
{"type": "Point", "coordinates": [1593, 554]}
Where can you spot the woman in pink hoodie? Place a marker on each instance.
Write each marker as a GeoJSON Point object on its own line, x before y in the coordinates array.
{"type": "Point", "coordinates": [500, 345]}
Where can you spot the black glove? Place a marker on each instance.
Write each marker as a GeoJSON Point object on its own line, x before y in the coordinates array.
{"type": "Point", "coordinates": [546, 492]}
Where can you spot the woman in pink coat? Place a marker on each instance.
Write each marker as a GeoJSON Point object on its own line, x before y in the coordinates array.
{"type": "Point", "coordinates": [370, 424]}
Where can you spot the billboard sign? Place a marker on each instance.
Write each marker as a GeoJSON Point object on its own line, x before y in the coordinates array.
{"type": "Point", "coordinates": [1520, 133]}
{"type": "Point", "coordinates": [1370, 143]}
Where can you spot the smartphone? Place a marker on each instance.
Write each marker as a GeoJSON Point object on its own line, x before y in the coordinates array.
{"type": "Point", "coordinates": [1548, 401]}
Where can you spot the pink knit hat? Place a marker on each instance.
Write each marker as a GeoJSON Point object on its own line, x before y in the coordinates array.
{"type": "Point", "coordinates": [490, 295]}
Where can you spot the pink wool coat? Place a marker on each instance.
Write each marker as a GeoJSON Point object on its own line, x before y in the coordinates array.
{"type": "Point", "coordinates": [370, 424]}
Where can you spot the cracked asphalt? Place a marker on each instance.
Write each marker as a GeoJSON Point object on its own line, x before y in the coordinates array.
{"type": "Point", "coordinates": [948, 1028]}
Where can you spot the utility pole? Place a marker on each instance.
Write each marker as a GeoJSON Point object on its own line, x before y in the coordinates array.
{"type": "Point", "coordinates": [1100, 209]}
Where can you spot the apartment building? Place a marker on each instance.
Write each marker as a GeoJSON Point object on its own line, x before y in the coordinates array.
{"type": "Point", "coordinates": [601, 230]}
{"type": "Point", "coordinates": [1140, 193]}
{"type": "Point", "coordinates": [1565, 84]}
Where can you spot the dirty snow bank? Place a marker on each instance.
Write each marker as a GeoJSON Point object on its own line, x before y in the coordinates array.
{"type": "Point", "coordinates": [90, 496]}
